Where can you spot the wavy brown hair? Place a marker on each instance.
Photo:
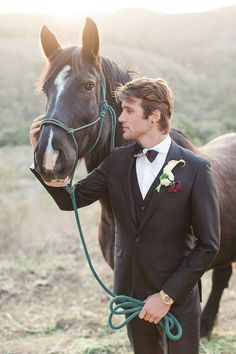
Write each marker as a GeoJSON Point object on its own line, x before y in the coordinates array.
{"type": "Point", "coordinates": [155, 94]}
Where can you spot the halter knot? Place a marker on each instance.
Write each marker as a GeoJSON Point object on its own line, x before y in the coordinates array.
{"type": "Point", "coordinates": [103, 114]}
{"type": "Point", "coordinates": [70, 131]}
{"type": "Point", "coordinates": [104, 105]}
{"type": "Point", "coordinates": [70, 188]}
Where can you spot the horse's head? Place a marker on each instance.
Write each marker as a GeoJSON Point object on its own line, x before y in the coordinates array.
{"type": "Point", "coordinates": [73, 86]}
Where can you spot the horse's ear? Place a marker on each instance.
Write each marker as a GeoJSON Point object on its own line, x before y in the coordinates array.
{"type": "Point", "coordinates": [49, 41]}
{"type": "Point", "coordinates": [90, 40]}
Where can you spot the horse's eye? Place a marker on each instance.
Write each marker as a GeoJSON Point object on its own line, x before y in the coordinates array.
{"type": "Point", "coordinates": [89, 86]}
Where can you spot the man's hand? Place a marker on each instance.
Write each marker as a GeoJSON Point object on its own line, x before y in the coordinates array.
{"type": "Point", "coordinates": [34, 129]}
{"type": "Point", "coordinates": [154, 309]}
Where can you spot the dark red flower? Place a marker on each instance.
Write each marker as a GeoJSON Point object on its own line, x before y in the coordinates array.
{"type": "Point", "coordinates": [176, 187]}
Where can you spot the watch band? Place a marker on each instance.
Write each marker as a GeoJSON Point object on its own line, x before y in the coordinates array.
{"type": "Point", "coordinates": [166, 298]}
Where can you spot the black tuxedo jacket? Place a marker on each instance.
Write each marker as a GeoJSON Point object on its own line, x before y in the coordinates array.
{"type": "Point", "coordinates": [161, 253]}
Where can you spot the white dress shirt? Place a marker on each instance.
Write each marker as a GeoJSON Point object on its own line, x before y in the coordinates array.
{"type": "Point", "coordinates": [146, 170]}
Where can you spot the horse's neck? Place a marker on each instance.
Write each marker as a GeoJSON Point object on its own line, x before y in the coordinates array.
{"type": "Point", "coordinates": [182, 140]}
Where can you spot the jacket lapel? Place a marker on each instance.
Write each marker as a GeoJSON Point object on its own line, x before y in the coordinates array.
{"type": "Point", "coordinates": [173, 154]}
{"type": "Point", "coordinates": [129, 196]}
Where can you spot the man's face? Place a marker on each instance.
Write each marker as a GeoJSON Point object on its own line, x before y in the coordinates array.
{"type": "Point", "coordinates": [134, 125]}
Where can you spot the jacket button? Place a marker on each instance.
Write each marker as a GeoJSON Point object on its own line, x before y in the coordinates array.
{"type": "Point", "coordinates": [137, 238]}
{"type": "Point", "coordinates": [143, 207]}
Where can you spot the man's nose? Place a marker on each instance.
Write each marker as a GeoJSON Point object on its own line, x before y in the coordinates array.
{"type": "Point", "coordinates": [120, 118]}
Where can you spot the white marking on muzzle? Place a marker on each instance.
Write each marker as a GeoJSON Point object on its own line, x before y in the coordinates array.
{"type": "Point", "coordinates": [51, 155]}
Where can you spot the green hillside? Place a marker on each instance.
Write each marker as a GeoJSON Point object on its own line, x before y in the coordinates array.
{"type": "Point", "coordinates": [194, 52]}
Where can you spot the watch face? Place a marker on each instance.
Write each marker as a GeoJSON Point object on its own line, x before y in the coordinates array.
{"type": "Point", "coordinates": [167, 299]}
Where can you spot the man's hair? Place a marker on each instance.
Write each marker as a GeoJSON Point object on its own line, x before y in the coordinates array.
{"type": "Point", "coordinates": [155, 94]}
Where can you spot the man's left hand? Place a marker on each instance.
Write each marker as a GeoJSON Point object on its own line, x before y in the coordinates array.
{"type": "Point", "coordinates": [154, 309]}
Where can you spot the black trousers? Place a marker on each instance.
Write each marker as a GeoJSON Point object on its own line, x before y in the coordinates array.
{"type": "Point", "coordinates": [146, 338]}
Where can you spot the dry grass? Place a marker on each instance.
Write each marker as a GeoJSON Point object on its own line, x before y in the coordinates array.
{"type": "Point", "coordinates": [49, 301]}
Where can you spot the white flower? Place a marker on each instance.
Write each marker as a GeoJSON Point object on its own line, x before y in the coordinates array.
{"type": "Point", "coordinates": [167, 178]}
{"type": "Point", "coordinates": [171, 164]}
{"type": "Point", "coordinates": [165, 182]}
{"type": "Point", "coordinates": [170, 175]}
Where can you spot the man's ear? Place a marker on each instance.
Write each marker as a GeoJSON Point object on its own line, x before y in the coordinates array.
{"type": "Point", "coordinates": [155, 116]}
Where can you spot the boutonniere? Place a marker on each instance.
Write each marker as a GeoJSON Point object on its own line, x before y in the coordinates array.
{"type": "Point", "coordinates": [167, 178]}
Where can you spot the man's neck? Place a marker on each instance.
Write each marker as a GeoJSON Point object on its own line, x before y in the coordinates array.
{"type": "Point", "coordinates": [151, 141]}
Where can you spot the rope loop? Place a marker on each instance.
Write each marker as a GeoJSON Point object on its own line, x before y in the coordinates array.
{"type": "Point", "coordinates": [123, 305]}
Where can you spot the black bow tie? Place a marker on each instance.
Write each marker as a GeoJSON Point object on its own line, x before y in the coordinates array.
{"type": "Point", "coordinates": [151, 154]}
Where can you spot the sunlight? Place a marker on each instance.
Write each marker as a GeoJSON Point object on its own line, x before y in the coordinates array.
{"type": "Point", "coordinates": [50, 7]}
{"type": "Point", "coordinates": [73, 7]}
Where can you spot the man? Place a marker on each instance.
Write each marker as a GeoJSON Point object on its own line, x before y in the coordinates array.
{"type": "Point", "coordinates": [157, 208]}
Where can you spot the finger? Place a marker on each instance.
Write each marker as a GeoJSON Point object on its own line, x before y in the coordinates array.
{"type": "Point", "coordinates": [147, 317]}
{"type": "Point", "coordinates": [34, 131]}
{"type": "Point", "coordinates": [156, 320]}
{"type": "Point", "coordinates": [142, 314]}
{"type": "Point", "coordinates": [37, 123]}
{"type": "Point", "coordinates": [36, 126]}
{"type": "Point", "coordinates": [151, 319]}
{"type": "Point", "coordinates": [39, 118]}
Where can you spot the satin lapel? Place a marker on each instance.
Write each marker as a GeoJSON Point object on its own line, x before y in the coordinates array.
{"type": "Point", "coordinates": [173, 154]}
{"type": "Point", "coordinates": [129, 195]}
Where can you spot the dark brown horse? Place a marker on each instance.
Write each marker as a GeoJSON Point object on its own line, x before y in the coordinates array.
{"type": "Point", "coordinates": [73, 83]}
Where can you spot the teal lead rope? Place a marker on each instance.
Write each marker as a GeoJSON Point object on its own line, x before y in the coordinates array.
{"type": "Point", "coordinates": [126, 305]}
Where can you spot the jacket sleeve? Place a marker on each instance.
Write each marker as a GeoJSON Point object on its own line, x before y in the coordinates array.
{"type": "Point", "coordinates": [206, 229]}
{"type": "Point", "coordinates": [88, 190]}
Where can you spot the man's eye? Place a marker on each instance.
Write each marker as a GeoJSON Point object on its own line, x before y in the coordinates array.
{"type": "Point", "coordinates": [89, 86]}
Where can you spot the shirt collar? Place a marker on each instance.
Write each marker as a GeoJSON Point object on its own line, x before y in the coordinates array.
{"type": "Point", "coordinates": [162, 147]}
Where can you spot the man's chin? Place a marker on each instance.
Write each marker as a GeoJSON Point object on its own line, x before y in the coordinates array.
{"type": "Point", "coordinates": [127, 137]}
{"type": "Point", "coordinates": [58, 182]}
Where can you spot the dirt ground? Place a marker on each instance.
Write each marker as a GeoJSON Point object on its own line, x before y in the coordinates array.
{"type": "Point", "coordinates": [49, 301]}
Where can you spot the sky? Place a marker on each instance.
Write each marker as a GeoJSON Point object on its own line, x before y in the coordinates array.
{"type": "Point", "coordinates": [73, 7]}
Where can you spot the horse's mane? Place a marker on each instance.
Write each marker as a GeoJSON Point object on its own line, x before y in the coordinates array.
{"type": "Point", "coordinates": [183, 140]}
{"type": "Point", "coordinates": [114, 75]}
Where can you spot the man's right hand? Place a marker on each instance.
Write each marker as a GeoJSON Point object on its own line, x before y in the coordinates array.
{"type": "Point", "coordinates": [34, 129]}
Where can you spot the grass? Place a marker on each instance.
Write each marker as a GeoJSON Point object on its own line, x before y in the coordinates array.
{"type": "Point", "coordinates": [219, 345]}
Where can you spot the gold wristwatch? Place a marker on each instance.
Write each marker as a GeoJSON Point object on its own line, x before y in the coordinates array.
{"type": "Point", "coordinates": [166, 298]}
